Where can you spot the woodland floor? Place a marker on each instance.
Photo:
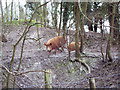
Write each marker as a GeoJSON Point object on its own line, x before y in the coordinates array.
{"type": "Point", "coordinates": [65, 73]}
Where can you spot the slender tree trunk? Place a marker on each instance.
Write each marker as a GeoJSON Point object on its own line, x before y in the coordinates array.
{"type": "Point", "coordinates": [38, 34]}
{"type": "Point", "coordinates": [7, 12]}
{"type": "Point", "coordinates": [44, 13]}
{"type": "Point", "coordinates": [90, 27]}
{"type": "Point", "coordinates": [116, 33]}
{"type": "Point", "coordinates": [82, 28]}
{"type": "Point", "coordinates": [41, 15]}
{"type": "Point", "coordinates": [60, 19]}
{"type": "Point", "coordinates": [64, 32]}
{"type": "Point", "coordinates": [11, 11]}
{"type": "Point", "coordinates": [19, 12]}
{"type": "Point", "coordinates": [2, 11]}
{"type": "Point", "coordinates": [65, 18]}
{"type": "Point", "coordinates": [77, 17]}
{"type": "Point", "coordinates": [25, 14]}
{"type": "Point", "coordinates": [56, 7]}
{"type": "Point", "coordinates": [101, 38]}
{"type": "Point", "coordinates": [111, 20]}
{"type": "Point", "coordinates": [15, 13]}
{"type": "Point", "coordinates": [69, 54]}
{"type": "Point", "coordinates": [95, 26]}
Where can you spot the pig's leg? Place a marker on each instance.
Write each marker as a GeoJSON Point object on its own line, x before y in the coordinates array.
{"type": "Point", "coordinates": [62, 48]}
{"type": "Point", "coordinates": [55, 50]}
{"type": "Point", "coordinates": [49, 52]}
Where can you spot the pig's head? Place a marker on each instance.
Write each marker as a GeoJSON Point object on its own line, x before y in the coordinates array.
{"type": "Point", "coordinates": [48, 46]}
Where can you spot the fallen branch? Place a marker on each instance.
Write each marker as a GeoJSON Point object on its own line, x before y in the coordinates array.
{"type": "Point", "coordinates": [83, 63]}
{"type": "Point", "coordinates": [7, 70]}
{"type": "Point", "coordinates": [17, 74]}
{"type": "Point", "coordinates": [32, 71]}
{"type": "Point", "coordinates": [89, 56]}
{"type": "Point", "coordinates": [35, 39]}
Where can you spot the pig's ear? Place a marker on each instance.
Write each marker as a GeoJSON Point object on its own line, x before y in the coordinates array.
{"type": "Point", "coordinates": [50, 43]}
{"type": "Point", "coordinates": [65, 41]}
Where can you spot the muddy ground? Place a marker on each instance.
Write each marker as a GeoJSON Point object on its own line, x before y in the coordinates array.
{"type": "Point", "coordinates": [66, 74]}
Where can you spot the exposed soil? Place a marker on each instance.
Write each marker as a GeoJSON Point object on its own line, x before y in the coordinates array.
{"type": "Point", "coordinates": [65, 73]}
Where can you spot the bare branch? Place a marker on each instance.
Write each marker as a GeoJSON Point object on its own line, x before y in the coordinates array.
{"type": "Point", "coordinates": [7, 70]}
{"type": "Point", "coordinates": [17, 74]}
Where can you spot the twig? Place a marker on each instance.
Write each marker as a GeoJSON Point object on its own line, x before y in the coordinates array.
{"type": "Point", "coordinates": [7, 70]}
{"type": "Point", "coordinates": [19, 60]}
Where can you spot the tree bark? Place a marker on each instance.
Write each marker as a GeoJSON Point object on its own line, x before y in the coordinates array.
{"type": "Point", "coordinates": [82, 28]}
{"type": "Point", "coordinates": [19, 12]}
{"type": "Point", "coordinates": [38, 34]}
{"type": "Point", "coordinates": [90, 27]}
{"type": "Point", "coordinates": [116, 22]}
{"type": "Point", "coordinates": [2, 11]}
{"type": "Point", "coordinates": [45, 14]}
{"type": "Point", "coordinates": [60, 19]}
{"type": "Point", "coordinates": [6, 12]}
{"type": "Point", "coordinates": [111, 9]}
{"type": "Point", "coordinates": [25, 14]}
{"type": "Point", "coordinates": [77, 17]}
{"type": "Point", "coordinates": [101, 38]}
{"type": "Point", "coordinates": [65, 18]}
{"type": "Point", "coordinates": [95, 26]}
{"type": "Point", "coordinates": [11, 11]}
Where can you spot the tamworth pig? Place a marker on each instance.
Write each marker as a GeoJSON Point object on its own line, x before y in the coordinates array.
{"type": "Point", "coordinates": [55, 43]}
{"type": "Point", "coordinates": [71, 47]}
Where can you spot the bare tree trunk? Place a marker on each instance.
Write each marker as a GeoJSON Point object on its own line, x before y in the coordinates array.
{"type": "Point", "coordinates": [116, 33]}
{"type": "Point", "coordinates": [65, 18]}
{"type": "Point", "coordinates": [90, 27]}
{"type": "Point", "coordinates": [95, 26]}
{"type": "Point", "coordinates": [6, 12]}
{"type": "Point", "coordinates": [111, 20]}
{"type": "Point", "coordinates": [77, 17]}
{"type": "Point", "coordinates": [25, 14]}
{"type": "Point", "coordinates": [69, 54]}
{"type": "Point", "coordinates": [101, 38]}
{"type": "Point", "coordinates": [44, 13]}
{"type": "Point", "coordinates": [2, 11]}
{"type": "Point", "coordinates": [11, 11]}
{"type": "Point", "coordinates": [19, 12]}
{"type": "Point", "coordinates": [60, 19]}
{"type": "Point", "coordinates": [15, 13]}
{"type": "Point", "coordinates": [82, 28]}
{"type": "Point", "coordinates": [41, 17]}
{"type": "Point", "coordinates": [38, 34]}
{"type": "Point", "coordinates": [56, 21]}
